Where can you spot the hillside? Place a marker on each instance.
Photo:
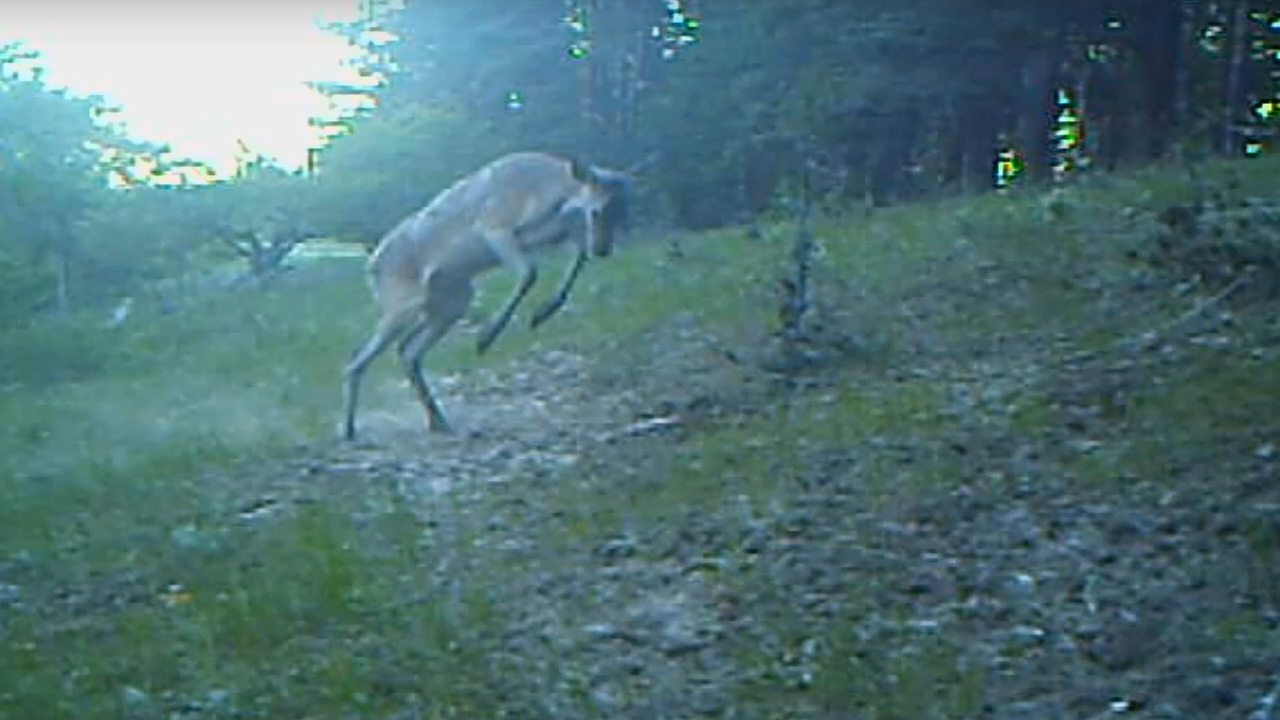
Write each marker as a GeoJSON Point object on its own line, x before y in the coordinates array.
{"type": "Point", "coordinates": [1029, 471]}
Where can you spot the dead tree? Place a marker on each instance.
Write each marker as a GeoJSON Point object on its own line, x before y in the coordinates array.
{"type": "Point", "coordinates": [265, 250]}
{"type": "Point", "coordinates": [796, 288]}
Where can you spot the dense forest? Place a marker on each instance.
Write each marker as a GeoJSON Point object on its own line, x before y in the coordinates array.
{"type": "Point", "coordinates": [881, 102]}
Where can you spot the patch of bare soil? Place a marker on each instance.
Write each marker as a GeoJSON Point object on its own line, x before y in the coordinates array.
{"type": "Point", "coordinates": [531, 419]}
{"type": "Point", "coordinates": [527, 421]}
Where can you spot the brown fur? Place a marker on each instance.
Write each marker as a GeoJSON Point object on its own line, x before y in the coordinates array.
{"type": "Point", "coordinates": [422, 270]}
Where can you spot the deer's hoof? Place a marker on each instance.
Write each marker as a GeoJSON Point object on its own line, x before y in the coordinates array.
{"type": "Point", "coordinates": [545, 311]}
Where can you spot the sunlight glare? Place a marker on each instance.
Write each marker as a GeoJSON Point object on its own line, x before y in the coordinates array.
{"type": "Point", "coordinates": [198, 76]}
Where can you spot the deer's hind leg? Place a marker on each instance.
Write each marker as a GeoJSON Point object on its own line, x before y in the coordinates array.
{"type": "Point", "coordinates": [391, 327]}
{"type": "Point", "coordinates": [446, 303]}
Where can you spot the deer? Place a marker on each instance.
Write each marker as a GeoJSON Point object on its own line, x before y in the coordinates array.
{"type": "Point", "coordinates": [421, 271]}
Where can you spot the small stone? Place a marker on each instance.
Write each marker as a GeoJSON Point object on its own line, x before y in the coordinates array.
{"type": "Point", "coordinates": [1024, 633]}
{"type": "Point", "coordinates": [10, 594]}
{"type": "Point", "coordinates": [1127, 644]}
{"type": "Point", "coordinates": [134, 697]}
{"type": "Point", "coordinates": [709, 700]}
{"type": "Point", "coordinates": [1020, 585]}
{"type": "Point", "coordinates": [680, 641]}
{"type": "Point", "coordinates": [602, 631]}
{"type": "Point", "coordinates": [1126, 526]}
{"type": "Point", "coordinates": [1123, 705]}
{"type": "Point", "coordinates": [217, 698]}
{"type": "Point", "coordinates": [756, 540]}
{"type": "Point", "coordinates": [1210, 696]}
{"type": "Point", "coordinates": [617, 548]}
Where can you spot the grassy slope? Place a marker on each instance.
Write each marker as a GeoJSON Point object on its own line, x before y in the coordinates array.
{"type": "Point", "coordinates": [132, 585]}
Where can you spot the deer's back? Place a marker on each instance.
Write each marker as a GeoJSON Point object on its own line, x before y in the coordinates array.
{"type": "Point", "coordinates": [523, 193]}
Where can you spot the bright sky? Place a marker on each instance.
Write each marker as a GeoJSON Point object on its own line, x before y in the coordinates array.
{"type": "Point", "coordinates": [197, 74]}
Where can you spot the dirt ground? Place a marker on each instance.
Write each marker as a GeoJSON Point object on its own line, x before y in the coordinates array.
{"type": "Point", "coordinates": [1016, 588]}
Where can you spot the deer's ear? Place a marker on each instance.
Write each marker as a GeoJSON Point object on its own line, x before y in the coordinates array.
{"type": "Point", "coordinates": [611, 179]}
{"type": "Point", "coordinates": [580, 171]}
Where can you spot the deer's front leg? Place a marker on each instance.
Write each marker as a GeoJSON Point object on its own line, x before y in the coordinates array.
{"type": "Point", "coordinates": [504, 245]}
{"type": "Point", "coordinates": [595, 236]}
{"type": "Point", "coordinates": [556, 301]}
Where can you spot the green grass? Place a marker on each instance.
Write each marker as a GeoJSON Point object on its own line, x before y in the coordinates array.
{"type": "Point", "coordinates": [1211, 403]}
{"type": "Point", "coordinates": [282, 619]}
{"type": "Point", "coordinates": [850, 675]}
{"type": "Point", "coordinates": [125, 454]}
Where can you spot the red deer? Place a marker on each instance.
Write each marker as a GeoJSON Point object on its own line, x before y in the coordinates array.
{"type": "Point", "coordinates": [421, 272]}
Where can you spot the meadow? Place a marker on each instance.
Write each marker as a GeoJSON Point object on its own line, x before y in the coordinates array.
{"type": "Point", "coordinates": [1018, 432]}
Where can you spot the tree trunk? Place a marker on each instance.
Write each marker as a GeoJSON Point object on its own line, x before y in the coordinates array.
{"type": "Point", "coordinates": [1159, 48]}
{"type": "Point", "coordinates": [615, 69]}
{"type": "Point", "coordinates": [1102, 119]}
{"type": "Point", "coordinates": [950, 158]}
{"type": "Point", "coordinates": [1235, 76]}
{"type": "Point", "coordinates": [1085, 149]}
{"type": "Point", "coordinates": [1182, 70]}
{"type": "Point", "coordinates": [977, 144]}
{"type": "Point", "coordinates": [891, 155]}
{"type": "Point", "coordinates": [1035, 116]}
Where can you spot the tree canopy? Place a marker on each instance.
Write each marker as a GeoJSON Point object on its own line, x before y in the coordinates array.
{"type": "Point", "coordinates": [897, 100]}
{"type": "Point", "coordinates": [907, 98]}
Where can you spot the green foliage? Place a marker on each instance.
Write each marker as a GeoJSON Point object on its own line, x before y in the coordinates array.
{"type": "Point", "coordinates": [297, 615]}
{"type": "Point", "coordinates": [146, 234]}
{"type": "Point", "coordinates": [896, 97]}
{"type": "Point", "coordinates": [24, 287]}
{"type": "Point", "coordinates": [47, 159]}
{"type": "Point", "coordinates": [870, 89]}
{"type": "Point", "coordinates": [57, 151]}
{"type": "Point", "coordinates": [851, 673]}
{"type": "Point", "coordinates": [39, 353]}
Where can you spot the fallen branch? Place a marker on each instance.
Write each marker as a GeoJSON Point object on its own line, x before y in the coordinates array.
{"type": "Point", "coordinates": [1151, 338]}
{"type": "Point", "coordinates": [647, 426]}
{"type": "Point", "coordinates": [728, 354]}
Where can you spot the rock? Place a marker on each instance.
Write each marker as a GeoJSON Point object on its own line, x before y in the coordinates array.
{"type": "Point", "coordinates": [708, 700]}
{"type": "Point", "coordinates": [1021, 527]}
{"type": "Point", "coordinates": [755, 539]}
{"type": "Point", "coordinates": [10, 594]}
{"type": "Point", "coordinates": [931, 583]}
{"type": "Point", "coordinates": [1018, 586]}
{"type": "Point", "coordinates": [134, 698]}
{"type": "Point", "coordinates": [679, 640]}
{"type": "Point", "coordinates": [1124, 645]}
{"type": "Point", "coordinates": [616, 549]}
{"type": "Point", "coordinates": [602, 631]}
{"type": "Point", "coordinates": [1129, 525]}
{"type": "Point", "coordinates": [1208, 697]}
{"type": "Point", "coordinates": [674, 627]}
